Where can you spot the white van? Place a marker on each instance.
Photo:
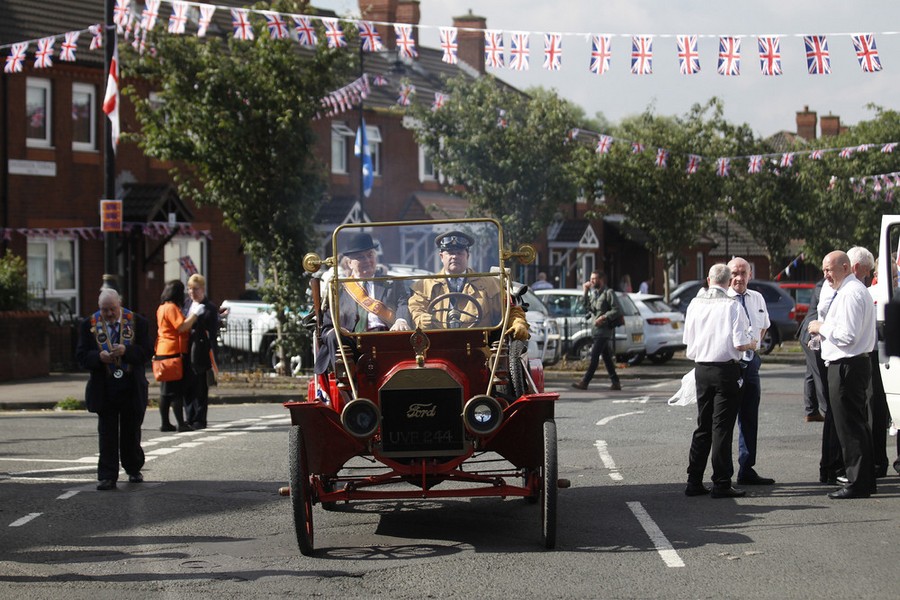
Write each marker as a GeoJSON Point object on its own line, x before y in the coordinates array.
{"type": "Point", "coordinates": [887, 290]}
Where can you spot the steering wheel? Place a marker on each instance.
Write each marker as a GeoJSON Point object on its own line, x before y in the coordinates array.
{"type": "Point", "coordinates": [451, 317]}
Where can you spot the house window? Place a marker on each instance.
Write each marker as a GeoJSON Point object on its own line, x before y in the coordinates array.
{"type": "Point", "coordinates": [426, 166]}
{"type": "Point", "coordinates": [84, 116]}
{"type": "Point", "coordinates": [373, 136]}
{"type": "Point", "coordinates": [181, 247]}
{"type": "Point", "coordinates": [341, 140]}
{"type": "Point", "coordinates": [38, 111]}
{"type": "Point", "coordinates": [700, 268]}
{"type": "Point", "coordinates": [52, 273]}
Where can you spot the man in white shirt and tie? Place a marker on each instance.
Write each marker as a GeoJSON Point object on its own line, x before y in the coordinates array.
{"type": "Point", "coordinates": [717, 333]}
{"type": "Point", "coordinates": [848, 335]}
{"type": "Point", "coordinates": [754, 306]}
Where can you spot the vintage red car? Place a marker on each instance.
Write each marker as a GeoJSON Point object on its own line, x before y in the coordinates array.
{"type": "Point", "coordinates": [451, 407]}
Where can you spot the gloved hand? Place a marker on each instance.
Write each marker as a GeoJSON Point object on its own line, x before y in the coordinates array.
{"type": "Point", "coordinates": [518, 324]}
{"type": "Point", "coordinates": [400, 325]}
{"type": "Point", "coordinates": [196, 309]}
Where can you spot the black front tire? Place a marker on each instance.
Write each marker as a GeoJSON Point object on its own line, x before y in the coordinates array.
{"type": "Point", "coordinates": [301, 492]}
{"type": "Point", "coordinates": [663, 356]}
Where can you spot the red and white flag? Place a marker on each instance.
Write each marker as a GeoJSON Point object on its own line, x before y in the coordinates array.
{"type": "Point", "coordinates": [111, 99]}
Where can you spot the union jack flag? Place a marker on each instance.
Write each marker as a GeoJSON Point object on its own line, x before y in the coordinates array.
{"type": "Point", "coordinates": [552, 51]}
{"type": "Point", "coordinates": [755, 164]}
{"type": "Point", "coordinates": [832, 182]}
{"type": "Point", "coordinates": [518, 51]}
{"type": "Point", "coordinates": [306, 33]}
{"type": "Point", "coordinates": [816, 155]}
{"type": "Point", "coordinates": [846, 153]}
{"type": "Point", "coordinates": [603, 144]}
{"type": "Point", "coordinates": [729, 56]}
{"type": "Point", "coordinates": [206, 15]}
{"type": "Point", "coordinates": [334, 34]}
{"type": "Point", "coordinates": [149, 15]}
{"type": "Point", "coordinates": [818, 59]}
{"type": "Point", "coordinates": [68, 47]}
{"type": "Point", "coordinates": [406, 92]}
{"type": "Point", "coordinates": [662, 158]}
{"type": "Point", "coordinates": [867, 53]}
{"type": "Point", "coordinates": [16, 58]}
{"type": "Point", "coordinates": [379, 80]}
{"type": "Point", "coordinates": [600, 54]}
{"type": "Point", "coordinates": [693, 163]}
{"type": "Point", "coordinates": [97, 39]}
{"type": "Point", "coordinates": [439, 101]}
{"type": "Point", "coordinates": [278, 29]}
{"type": "Point", "coordinates": [121, 12]}
{"type": "Point", "coordinates": [688, 55]}
{"type": "Point", "coordinates": [406, 44]}
{"type": "Point", "coordinates": [889, 148]}
{"type": "Point", "coordinates": [770, 55]}
{"type": "Point", "coordinates": [178, 18]}
{"type": "Point", "coordinates": [371, 41]}
{"type": "Point", "coordinates": [723, 167]}
{"type": "Point", "coordinates": [241, 24]}
{"type": "Point", "coordinates": [642, 54]}
{"type": "Point", "coordinates": [493, 48]}
{"type": "Point", "coordinates": [637, 147]}
{"type": "Point", "coordinates": [787, 159]}
{"type": "Point", "coordinates": [43, 58]}
{"type": "Point", "coordinates": [863, 147]}
{"type": "Point", "coordinates": [449, 45]}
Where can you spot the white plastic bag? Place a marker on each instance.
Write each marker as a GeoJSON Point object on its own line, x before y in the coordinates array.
{"type": "Point", "coordinates": [688, 392]}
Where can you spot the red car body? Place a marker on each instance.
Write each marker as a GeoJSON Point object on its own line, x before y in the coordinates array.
{"type": "Point", "coordinates": [801, 293]}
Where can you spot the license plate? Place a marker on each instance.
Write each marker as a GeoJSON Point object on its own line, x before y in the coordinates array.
{"type": "Point", "coordinates": [637, 337]}
{"type": "Point", "coordinates": [676, 325]}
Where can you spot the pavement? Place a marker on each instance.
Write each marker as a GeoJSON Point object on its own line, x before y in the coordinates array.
{"type": "Point", "coordinates": [43, 393]}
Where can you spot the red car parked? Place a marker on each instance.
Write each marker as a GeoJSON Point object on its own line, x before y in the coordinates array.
{"type": "Point", "coordinates": [801, 292]}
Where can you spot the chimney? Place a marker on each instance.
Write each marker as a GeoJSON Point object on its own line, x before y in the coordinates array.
{"type": "Point", "coordinates": [408, 12]}
{"type": "Point", "coordinates": [471, 43]}
{"type": "Point", "coordinates": [806, 124]}
{"type": "Point", "coordinates": [384, 11]}
{"type": "Point", "coordinates": [831, 125]}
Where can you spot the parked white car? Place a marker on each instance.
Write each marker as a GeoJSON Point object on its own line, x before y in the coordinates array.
{"type": "Point", "coordinates": [663, 327]}
{"type": "Point", "coordinates": [567, 306]}
{"type": "Point", "coordinates": [545, 342]}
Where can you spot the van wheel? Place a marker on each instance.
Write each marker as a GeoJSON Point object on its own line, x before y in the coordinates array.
{"type": "Point", "coordinates": [582, 350]}
{"type": "Point", "coordinates": [663, 356]}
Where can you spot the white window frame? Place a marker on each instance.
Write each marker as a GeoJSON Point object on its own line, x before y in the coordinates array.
{"type": "Point", "coordinates": [340, 147]}
{"type": "Point", "coordinates": [51, 292]}
{"type": "Point", "coordinates": [91, 91]}
{"type": "Point", "coordinates": [427, 171]}
{"type": "Point", "coordinates": [373, 137]}
{"type": "Point", "coordinates": [184, 245]}
{"type": "Point", "coordinates": [47, 86]}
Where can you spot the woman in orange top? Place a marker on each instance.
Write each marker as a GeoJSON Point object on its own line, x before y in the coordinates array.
{"type": "Point", "coordinates": [172, 334]}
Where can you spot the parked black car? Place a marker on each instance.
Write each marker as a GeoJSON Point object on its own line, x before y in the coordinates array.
{"type": "Point", "coordinates": [778, 302]}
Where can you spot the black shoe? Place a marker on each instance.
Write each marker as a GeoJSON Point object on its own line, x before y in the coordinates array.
{"type": "Point", "coordinates": [828, 479]}
{"type": "Point", "coordinates": [136, 477]}
{"type": "Point", "coordinates": [880, 471]}
{"type": "Point", "coordinates": [616, 386]}
{"type": "Point", "coordinates": [579, 385]}
{"type": "Point", "coordinates": [198, 426]}
{"type": "Point", "coordinates": [728, 492]}
{"type": "Point", "coordinates": [755, 479]}
{"type": "Point", "coordinates": [167, 427]}
{"type": "Point", "coordinates": [695, 489]}
{"type": "Point", "coordinates": [106, 484]}
{"type": "Point", "coordinates": [848, 492]}
{"type": "Point", "coordinates": [182, 427]}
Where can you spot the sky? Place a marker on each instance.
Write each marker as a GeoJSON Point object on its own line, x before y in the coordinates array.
{"type": "Point", "coordinates": [767, 104]}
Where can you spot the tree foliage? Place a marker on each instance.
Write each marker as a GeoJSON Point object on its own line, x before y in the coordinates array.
{"type": "Point", "coordinates": [13, 282]}
{"type": "Point", "coordinates": [504, 151]}
{"type": "Point", "coordinates": [235, 118]}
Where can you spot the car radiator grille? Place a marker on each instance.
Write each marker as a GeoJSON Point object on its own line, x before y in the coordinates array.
{"type": "Point", "coordinates": [422, 422]}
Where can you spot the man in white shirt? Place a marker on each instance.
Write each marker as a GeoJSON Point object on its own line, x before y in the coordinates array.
{"type": "Point", "coordinates": [848, 335]}
{"type": "Point", "coordinates": [716, 332]}
{"type": "Point", "coordinates": [754, 305]}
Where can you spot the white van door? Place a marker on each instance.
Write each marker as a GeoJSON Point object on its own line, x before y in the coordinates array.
{"type": "Point", "coordinates": [886, 289]}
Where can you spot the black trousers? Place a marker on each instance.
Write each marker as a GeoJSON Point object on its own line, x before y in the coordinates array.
{"type": "Point", "coordinates": [603, 346]}
{"type": "Point", "coordinates": [119, 429]}
{"type": "Point", "coordinates": [718, 402]}
{"type": "Point", "coordinates": [879, 417]}
{"type": "Point", "coordinates": [196, 401]}
{"type": "Point", "coordinates": [848, 382]}
{"type": "Point", "coordinates": [815, 384]}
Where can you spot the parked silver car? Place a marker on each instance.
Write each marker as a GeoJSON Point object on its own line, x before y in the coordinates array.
{"type": "Point", "coordinates": [567, 306]}
{"type": "Point", "coordinates": [663, 327]}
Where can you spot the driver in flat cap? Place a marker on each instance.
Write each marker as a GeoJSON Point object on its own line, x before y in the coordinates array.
{"type": "Point", "coordinates": [467, 301]}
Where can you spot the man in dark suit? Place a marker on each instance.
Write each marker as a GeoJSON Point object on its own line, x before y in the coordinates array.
{"type": "Point", "coordinates": [362, 305]}
{"type": "Point", "coordinates": [114, 346]}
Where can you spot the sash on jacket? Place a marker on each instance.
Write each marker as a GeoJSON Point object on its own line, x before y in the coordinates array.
{"type": "Point", "coordinates": [103, 334]}
{"type": "Point", "coordinates": [357, 291]}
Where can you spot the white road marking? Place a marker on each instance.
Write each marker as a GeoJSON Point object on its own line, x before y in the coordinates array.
{"type": "Point", "coordinates": [606, 420]}
{"type": "Point", "coordinates": [163, 451]}
{"type": "Point", "coordinates": [67, 495]}
{"type": "Point", "coordinates": [635, 400]}
{"type": "Point", "coordinates": [662, 545]}
{"type": "Point", "coordinates": [25, 519]}
{"type": "Point", "coordinates": [607, 460]}
{"type": "Point", "coordinates": [60, 470]}
{"type": "Point", "coordinates": [85, 459]}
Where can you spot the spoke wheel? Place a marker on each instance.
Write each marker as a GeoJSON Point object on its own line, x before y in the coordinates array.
{"type": "Point", "coordinates": [301, 499]}
{"type": "Point", "coordinates": [516, 369]}
{"type": "Point", "coordinates": [549, 486]}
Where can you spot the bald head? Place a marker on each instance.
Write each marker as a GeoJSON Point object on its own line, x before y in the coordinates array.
{"type": "Point", "coordinates": [740, 274]}
{"type": "Point", "coordinates": [836, 267]}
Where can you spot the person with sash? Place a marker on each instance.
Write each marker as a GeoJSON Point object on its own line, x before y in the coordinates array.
{"type": "Point", "coordinates": [113, 344]}
{"type": "Point", "coordinates": [457, 310]}
{"type": "Point", "coordinates": [363, 305]}
{"type": "Point", "coordinates": [173, 330]}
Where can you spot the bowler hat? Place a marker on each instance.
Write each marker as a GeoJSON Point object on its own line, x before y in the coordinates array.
{"type": "Point", "coordinates": [453, 240]}
{"type": "Point", "coordinates": [358, 242]}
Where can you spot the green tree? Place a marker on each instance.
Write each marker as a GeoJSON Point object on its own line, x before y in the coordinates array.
{"type": "Point", "coordinates": [670, 206]}
{"type": "Point", "coordinates": [235, 118]}
{"type": "Point", "coordinates": [503, 151]}
{"type": "Point", "coordinates": [13, 282]}
{"type": "Point", "coordinates": [847, 212]}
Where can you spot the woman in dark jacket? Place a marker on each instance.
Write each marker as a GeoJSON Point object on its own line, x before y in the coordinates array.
{"type": "Point", "coordinates": [203, 341]}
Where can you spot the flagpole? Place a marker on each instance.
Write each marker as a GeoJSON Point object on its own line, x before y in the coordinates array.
{"type": "Point", "coordinates": [110, 270]}
{"type": "Point", "coordinates": [362, 157]}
